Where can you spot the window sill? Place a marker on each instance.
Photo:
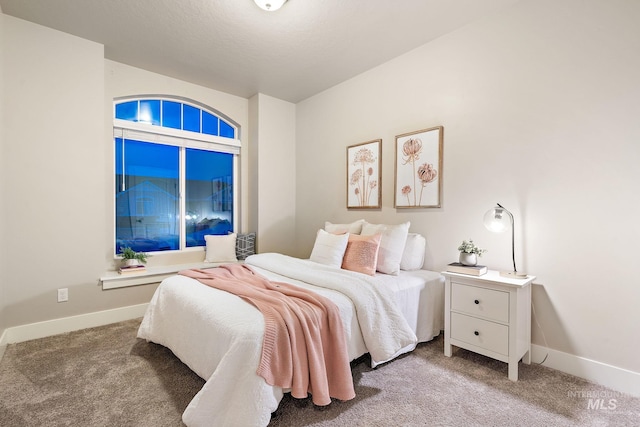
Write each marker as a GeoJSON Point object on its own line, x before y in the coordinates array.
{"type": "Point", "coordinates": [113, 280]}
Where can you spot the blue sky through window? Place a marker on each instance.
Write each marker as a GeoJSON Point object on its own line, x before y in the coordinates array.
{"type": "Point", "coordinates": [175, 115]}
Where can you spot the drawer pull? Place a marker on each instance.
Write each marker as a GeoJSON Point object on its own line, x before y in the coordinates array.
{"type": "Point", "coordinates": [476, 333]}
{"type": "Point", "coordinates": [476, 301]}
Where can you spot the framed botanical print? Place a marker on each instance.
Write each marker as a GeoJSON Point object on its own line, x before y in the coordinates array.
{"type": "Point", "coordinates": [364, 175]}
{"type": "Point", "coordinates": [418, 177]}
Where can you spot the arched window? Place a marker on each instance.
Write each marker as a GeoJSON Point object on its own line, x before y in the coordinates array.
{"type": "Point", "coordinates": [175, 171]}
{"type": "Point", "coordinates": [174, 114]}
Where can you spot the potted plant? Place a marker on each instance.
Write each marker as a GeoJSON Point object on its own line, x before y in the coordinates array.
{"type": "Point", "coordinates": [132, 257]}
{"type": "Point", "coordinates": [469, 252]}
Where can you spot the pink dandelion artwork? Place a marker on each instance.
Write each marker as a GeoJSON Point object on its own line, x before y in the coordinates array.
{"type": "Point", "coordinates": [418, 169]}
{"type": "Point", "coordinates": [363, 179]}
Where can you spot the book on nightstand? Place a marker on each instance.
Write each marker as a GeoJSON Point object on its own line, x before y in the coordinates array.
{"type": "Point", "coordinates": [132, 269]}
{"type": "Point", "coordinates": [473, 270]}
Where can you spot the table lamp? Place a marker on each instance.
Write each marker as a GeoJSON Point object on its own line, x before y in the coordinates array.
{"type": "Point", "coordinates": [499, 219]}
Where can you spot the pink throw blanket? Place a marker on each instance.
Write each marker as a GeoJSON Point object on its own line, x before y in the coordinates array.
{"type": "Point", "coordinates": [304, 347]}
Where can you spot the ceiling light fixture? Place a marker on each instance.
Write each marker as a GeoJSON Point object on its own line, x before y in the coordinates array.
{"type": "Point", "coordinates": [270, 5]}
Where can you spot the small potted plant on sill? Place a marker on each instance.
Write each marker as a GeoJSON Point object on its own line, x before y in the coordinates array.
{"type": "Point", "coordinates": [132, 258]}
{"type": "Point", "coordinates": [469, 252]}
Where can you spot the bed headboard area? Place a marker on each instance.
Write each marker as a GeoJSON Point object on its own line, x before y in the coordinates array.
{"type": "Point", "coordinates": [369, 248]}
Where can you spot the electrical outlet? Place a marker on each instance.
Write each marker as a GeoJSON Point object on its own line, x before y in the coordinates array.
{"type": "Point", "coordinates": [63, 295]}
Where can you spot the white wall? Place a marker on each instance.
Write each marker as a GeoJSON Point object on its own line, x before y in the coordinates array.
{"type": "Point", "coordinates": [2, 187]}
{"type": "Point", "coordinates": [540, 112]}
{"type": "Point", "coordinates": [57, 171]}
{"type": "Point", "coordinates": [273, 173]}
{"type": "Point", "coordinates": [52, 128]}
{"type": "Point", "coordinates": [124, 80]}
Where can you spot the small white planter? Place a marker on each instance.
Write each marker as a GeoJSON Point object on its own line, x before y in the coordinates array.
{"type": "Point", "coordinates": [468, 259]}
{"type": "Point", "coordinates": [131, 262]}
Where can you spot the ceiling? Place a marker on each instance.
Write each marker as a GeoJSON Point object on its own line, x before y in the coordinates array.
{"type": "Point", "coordinates": [233, 46]}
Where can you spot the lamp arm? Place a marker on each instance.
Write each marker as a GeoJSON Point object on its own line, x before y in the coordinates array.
{"type": "Point", "coordinates": [513, 241]}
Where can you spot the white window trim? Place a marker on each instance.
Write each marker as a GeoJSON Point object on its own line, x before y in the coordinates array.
{"type": "Point", "coordinates": [113, 280]}
{"type": "Point", "coordinates": [177, 137]}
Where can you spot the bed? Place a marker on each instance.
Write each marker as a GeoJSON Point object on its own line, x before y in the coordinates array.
{"type": "Point", "coordinates": [219, 336]}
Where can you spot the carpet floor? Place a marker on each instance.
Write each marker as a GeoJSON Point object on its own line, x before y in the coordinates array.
{"type": "Point", "coordinates": [105, 376]}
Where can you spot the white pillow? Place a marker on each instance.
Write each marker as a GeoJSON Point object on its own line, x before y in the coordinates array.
{"type": "Point", "coordinates": [392, 244]}
{"type": "Point", "coordinates": [353, 228]}
{"type": "Point", "coordinates": [414, 250]}
{"type": "Point", "coordinates": [329, 248]}
{"type": "Point", "coordinates": [220, 248]}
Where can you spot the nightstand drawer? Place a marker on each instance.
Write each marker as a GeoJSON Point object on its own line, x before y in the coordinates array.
{"type": "Point", "coordinates": [482, 333]}
{"type": "Point", "coordinates": [486, 303]}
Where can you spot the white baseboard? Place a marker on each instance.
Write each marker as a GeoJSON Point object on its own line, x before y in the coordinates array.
{"type": "Point", "coordinates": [618, 379]}
{"type": "Point", "coordinates": [68, 324]}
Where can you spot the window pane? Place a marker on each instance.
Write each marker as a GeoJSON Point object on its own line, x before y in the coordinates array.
{"type": "Point", "coordinates": [150, 112]}
{"type": "Point", "coordinates": [147, 208]}
{"type": "Point", "coordinates": [171, 114]}
{"type": "Point", "coordinates": [127, 111]}
{"type": "Point", "coordinates": [226, 130]}
{"type": "Point", "coordinates": [209, 124]}
{"type": "Point", "coordinates": [191, 116]}
{"type": "Point", "coordinates": [209, 198]}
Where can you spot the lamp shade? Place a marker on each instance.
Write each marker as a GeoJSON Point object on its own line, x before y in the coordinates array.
{"type": "Point", "coordinates": [498, 220]}
{"type": "Point", "coordinates": [270, 5]}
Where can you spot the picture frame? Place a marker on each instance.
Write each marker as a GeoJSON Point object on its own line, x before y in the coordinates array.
{"type": "Point", "coordinates": [364, 175]}
{"type": "Point", "coordinates": [418, 169]}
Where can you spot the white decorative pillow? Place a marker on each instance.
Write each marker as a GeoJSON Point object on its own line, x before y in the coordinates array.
{"type": "Point", "coordinates": [220, 248]}
{"type": "Point", "coordinates": [353, 228]}
{"type": "Point", "coordinates": [414, 250]}
{"type": "Point", "coordinates": [329, 248]}
{"type": "Point", "coordinates": [392, 244]}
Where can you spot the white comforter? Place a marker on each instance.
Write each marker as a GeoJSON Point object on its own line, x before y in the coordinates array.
{"type": "Point", "coordinates": [385, 331]}
{"type": "Point", "coordinates": [219, 336]}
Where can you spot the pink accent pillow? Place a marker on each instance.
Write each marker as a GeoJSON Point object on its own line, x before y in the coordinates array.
{"type": "Point", "coordinates": [362, 253]}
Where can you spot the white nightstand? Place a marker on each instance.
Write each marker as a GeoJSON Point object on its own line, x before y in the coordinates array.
{"type": "Point", "coordinates": [489, 315]}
